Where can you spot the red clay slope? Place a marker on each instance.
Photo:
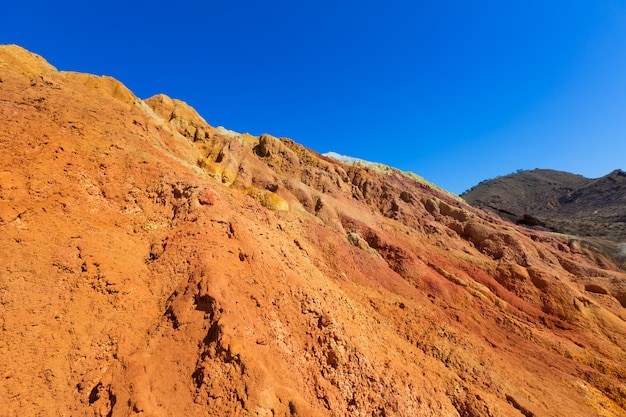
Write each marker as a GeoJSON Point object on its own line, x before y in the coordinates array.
{"type": "Point", "coordinates": [153, 265]}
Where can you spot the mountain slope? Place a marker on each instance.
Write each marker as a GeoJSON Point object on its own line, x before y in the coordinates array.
{"type": "Point", "coordinates": [565, 202]}
{"type": "Point", "coordinates": [154, 265]}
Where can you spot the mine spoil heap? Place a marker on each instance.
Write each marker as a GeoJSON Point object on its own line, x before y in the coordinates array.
{"type": "Point", "coordinates": [153, 265]}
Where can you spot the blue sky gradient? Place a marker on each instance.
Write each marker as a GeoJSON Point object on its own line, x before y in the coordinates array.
{"type": "Point", "coordinates": [454, 91]}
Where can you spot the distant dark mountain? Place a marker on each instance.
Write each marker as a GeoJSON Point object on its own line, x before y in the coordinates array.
{"type": "Point", "coordinates": [559, 201]}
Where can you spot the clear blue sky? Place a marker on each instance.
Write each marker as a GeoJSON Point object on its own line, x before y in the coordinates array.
{"type": "Point", "coordinates": [455, 91]}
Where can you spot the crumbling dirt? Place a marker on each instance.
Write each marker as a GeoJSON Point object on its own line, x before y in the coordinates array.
{"type": "Point", "coordinates": [153, 265]}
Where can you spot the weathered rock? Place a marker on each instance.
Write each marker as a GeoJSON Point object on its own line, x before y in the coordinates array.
{"type": "Point", "coordinates": [151, 264]}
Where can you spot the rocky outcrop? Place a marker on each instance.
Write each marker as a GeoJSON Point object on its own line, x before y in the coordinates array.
{"type": "Point", "coordinates": [148, 269]}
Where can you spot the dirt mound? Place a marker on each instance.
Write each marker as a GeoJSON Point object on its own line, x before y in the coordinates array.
{"type": "Point", "coordinates": [154, 265]}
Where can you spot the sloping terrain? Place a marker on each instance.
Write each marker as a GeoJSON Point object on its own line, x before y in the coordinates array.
{"type": "Point", "coordinates": [152, 265]}
{"type": "Point", "coordinates": [562, 201]}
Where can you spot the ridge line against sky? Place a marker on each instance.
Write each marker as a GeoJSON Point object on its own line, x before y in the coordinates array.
{"type": "Point", "coordinates": [455, 92]}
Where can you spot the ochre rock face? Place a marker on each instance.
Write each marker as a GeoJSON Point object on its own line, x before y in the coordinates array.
{"type": "Point", "coordinates": [153, 265]}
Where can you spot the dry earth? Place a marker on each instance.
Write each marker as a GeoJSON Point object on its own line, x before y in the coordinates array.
{"type": "Point", "coordinates": [152, 265]}
{"type": "Point", "coordinates": [560, 201]}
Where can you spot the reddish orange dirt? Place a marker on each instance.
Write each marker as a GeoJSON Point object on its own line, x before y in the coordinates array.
{"type": "Point", "coordinates": [152, 265]}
